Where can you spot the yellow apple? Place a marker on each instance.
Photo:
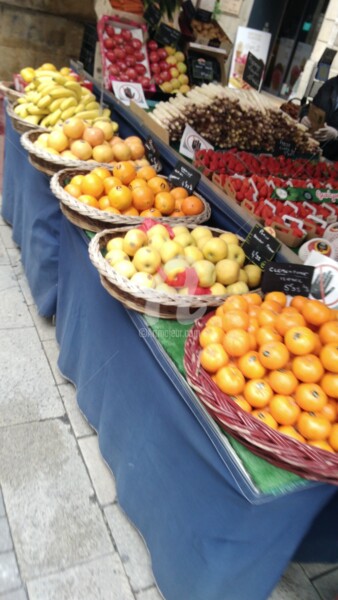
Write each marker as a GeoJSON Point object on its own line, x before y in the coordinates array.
{"type": "Point", "coordinates": [115, 255]}
{"type": "Point", "coordinates": [254, 274]}
{"type": "Point", "coordinates": [240, 287]}
{"type": "Point", "coordinates": [42, 140]}
{"type": "Point", "coordinates": [243, 276]}
{"type": "Point", "coordinates": [192, 254]}
{"type": "Point", "coordinates": [133, 240]}
{"type": "Point", "coordinates": [171, 249]}
{"type": "Point", "coordinates": [206, 273]}
{"type": "Point", "coordinates": [185, 239]}
{"type": "Point", "coordinates": [184, 291]}
{"type": "Point", "coordinates": [215, 249]}
{"type": "Point", "coordinates": [202, 241]}
{"type": "Point", "coordinates": [158, 279]}
{"type": "Point", "coordinates": [201, 231]}
{"type": "Point", "coordinates": [147, 259]}
{"type": "Point", "coordinates": [174, 267]}
{"type": "Point", "coordinates": [158, 229]}
{"type": "Point", "coordinates": [157, 241]}
{"type": "Point", "coordinates": [115, 243]}
{"type": "Point", "coordinates": [236, 253]}
{"type": "Point", "coordinates": [143, 279]}
{"type": "Point", "coordinates": [218, 289]}
{"type": "Point", "coordinates": [167, 289]}
{"type": "Point", "coordinates": [229, 237]}
{"type": "Point", "coordinates": [125, 268]}
{"type": "Point", "coordinates": [177, 229]}
{"type": "Point", "coordinates": [227, 271]}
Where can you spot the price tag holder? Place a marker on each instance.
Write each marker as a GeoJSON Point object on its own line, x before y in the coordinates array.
{"type": "Point", "coordinates": [167, 36]}
{"type": "Point", "coordinates": [253, 71]}
{"type": "Point", "coordinates": [152, 15]}
{"type": "Point", "coordinates": [203, 15]}
{"type": "Point", "coordinates": [152, 154]}
{"type": "Point", "coordinates": [184, 176]}
{"type": "Point", "coordinates": [285, 147]}
{"type": "Point", "coordinates": [127, 91]}
{"type": "Point", "coordinates": [260, 247]}
{"type": "Point", "coordinates": [293, 280]}
{"type": "Point", "coordinates": [191, 141]}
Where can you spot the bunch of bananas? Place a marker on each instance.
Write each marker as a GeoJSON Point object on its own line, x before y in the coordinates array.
{"type": "Point", "coordinates": [53, 96]}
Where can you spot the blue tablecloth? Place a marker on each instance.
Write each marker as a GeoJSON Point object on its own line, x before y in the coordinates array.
{"type": "Point", "coordinates": [210, 534]}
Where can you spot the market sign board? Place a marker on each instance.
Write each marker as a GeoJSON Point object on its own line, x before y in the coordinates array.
{"type": "Point", "coordinates": [249, 41]}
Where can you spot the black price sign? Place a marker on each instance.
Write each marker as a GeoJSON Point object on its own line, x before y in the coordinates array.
{"type": "Point", "coordinates": [202, 69]}
{"type": "Point", "coordinates": [253, 71]}
{"type": "Point", "coordinates": [189, 10]}
{"type": "Point", "coordinates": [293, 280]}
{"type": "Point", "coordinates": [152, 154]}
{"type": "Point", "coordinates": [184, 176]}
{"type": "Point", "coordinates": [203, 15]}
{"type": "Point", "coordinates": [286, 147]}
{"type": "Point", "coordinates": [152, 15]}
{"type": "Point", "coordinates": [167, 36]}
{"type": "Point", "coordinates": [260, 247]}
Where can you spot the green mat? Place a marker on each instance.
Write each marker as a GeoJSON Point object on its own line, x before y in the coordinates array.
{"type": "Point", "coordinates": [267, 478]}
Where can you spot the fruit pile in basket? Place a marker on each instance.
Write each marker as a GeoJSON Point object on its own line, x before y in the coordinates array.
{"type": "Point", "coordinates": [134, 191]}
{"type": "Point", "coordinates": [279, 362]}
{"type": "Point", "coordinates": [75, 139]}
{"type": "Point", "coordinates": [52, 97]}
{"type": "Point", "coordinates": [179, 260]}
{"type": "Point", "coordinates": [168, 68]}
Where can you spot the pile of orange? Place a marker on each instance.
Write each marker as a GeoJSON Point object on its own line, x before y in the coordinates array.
{"type": "Point", "coordinates": [127, 191]}
{"type": "Point", "coordinates": [279, 362]}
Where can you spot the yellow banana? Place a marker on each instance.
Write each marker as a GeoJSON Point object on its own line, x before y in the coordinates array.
{"type": "Point", "coordinates": [21, 111]}
{"type": "Point", "coordinates": [34, 110]}
{"type": "Point", "coordinates": [48, 73]}
{"type": "Point", "coordinates": [62, 92]}
{"type": "Point", "coordinates": [45, 121]}
{"type": "Point", "coordinates": [69, 112]}
{"type": "Point", "coordinates": [54, 117]}
{"type": "Point", "coordinates": [85, 91]}
{"type": "Point", "coordinates": [88, 99]}
{"type": "Point", "coordinates": [30, 87]}
{"type": "Point", "coordinates": [92, 106]}
{"type": "Point", "coordinates": [87, 114]}
{"type": "Point", "coordinates": [44, 101]}
{"type": "Point", "coordinates": [80, 107]}
{"type": "Point", "coordinates": [106, 112]}
{"type": "Point", "coordinates": [45, 88]}
{"type": "Point", "coordinates": [33, 119]}
{"type": "Point", "coordinates": [33, 96]}
{"type": "Point", "coordinates": [22, 101]}
{"type": "Point", "coordinates": [55, 104]}
{"type": "Point", "coordinates": [67, 103]}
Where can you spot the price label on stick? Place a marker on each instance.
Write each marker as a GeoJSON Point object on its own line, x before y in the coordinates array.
{"type": "Point", "coordinates": [184, 176]}
{"type": "Point", "coordinates": [152, 153]}
{"type": "Point", "coordinates": [167, 36]}
{"type": "Point", "coordinates": [260, 247]}
{"type": "Point", "coordinates": [293, 280]}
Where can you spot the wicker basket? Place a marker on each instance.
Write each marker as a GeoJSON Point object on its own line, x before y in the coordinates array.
{"type": "Point", "coordinates": [93, 219]}
{"type": "Point", "coordinates": [52, 163]}
{"type": "Point", "coordinates": [6, 88]}
{"type": "Point", "coordinates": [20, 125]}
{"type": "Point", "coordinates": [280, 450]}
{"type": "Point", "coordinates": [147, 301]}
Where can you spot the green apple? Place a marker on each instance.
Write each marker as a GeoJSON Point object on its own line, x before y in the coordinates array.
{"type": "Point", "coordinates": [147, 259]}
{"type": "Point", "coordinates": [178, 229]}
{"type": "Point", "coordinates": [133, 240]}
{"type": "Point", "coordinates": [174, 267]}
{"type": "Point", "coordinates": [171, 249]}
{"type": "Point", "coordinates": [227, 271]}
{"type": "Point", "coordinates": [206, 273]}
{"type": "Point", "coordinates": [116, 242]}
{"type": "Point", "coordinates": [218, 289]}
{"type": "Point", "coordinates": [201, 231]}
{"type": "Point", "coordinates": [236, 253]}
{"type": "Point", "coordinates": [254, 274]}
{"type": "Point", "coordinates": [240, 287]}
{"type": "Point", "coordinates": [183, 79]}
{"type": "Point", "coordinates": [179, 56]}
{"type": "Point", "coordinates": [229, 237]}
{"type": "Point", "coordinates": [143, 279]}
{"type": "Point", "coordinates": [215, 249]}
{"type": "Point", "coordinates": [115, 255]}
{"type": "Point", "coordinates": [125, 268]}
{"type": "Point", "coordinates": [171, 60]}
{"type": "Point", "coordinates": [158, 229]}
{"type": "Point", "coordinates": [192, 254]}
{"type": "Point", "coordinates": [174, 72]}
{"type": "Point", "coordinates": [181, 67]}
{"type": "Point", "coordinates": [185, 239]}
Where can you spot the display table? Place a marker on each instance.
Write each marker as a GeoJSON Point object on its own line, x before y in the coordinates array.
{"type": "Point", "coordinates": [209, 532]}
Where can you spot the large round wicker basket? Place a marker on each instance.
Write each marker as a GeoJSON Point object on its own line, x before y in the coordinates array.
{"type": "Point", "coordinates": [8, 91]}
{"type": "Point", "coordinates": [20, 125]}
{"type": "Point", "coordinates": [93, 219]}
{"type": "Point", "coordinates": [280, 450]}
{"type": "Point", "coordinates": [148, 301]}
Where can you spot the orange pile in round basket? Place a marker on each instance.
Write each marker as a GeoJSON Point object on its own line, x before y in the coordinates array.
{"type": "Point", "coordinates": [125, 190]}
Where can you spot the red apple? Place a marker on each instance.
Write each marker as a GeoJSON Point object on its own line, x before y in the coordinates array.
{"type": "Point", "coordinates": [136, 44]}
{"type": "Point", "coordinates": [110, 31]}
{"type": "Point", "coordinates": [119, 39]}
{"type": "Point", "coordinates": [119, 53]}
{"type": "Point", "coordinates": [108, 43]}
{"type": "Point", "coordinates": [162, 53]}
{"type": "Point", "coordinates": [145, 82]}
{"type": "Point", "coordinates": [153, 56]}
{"type": "Point", "coordinates": [131, 74]}
{"type": "Point", "coordinates": [110, 56]}
{"type": "Point", "coordinates": [129, 50]}
{"type": "Point", "coordinates": [140, 69]}
{"type": "Point", "coordinates": [122, 65]}
{"type": "Point", "coordinates": [130, 61]}
{"type": "Point", "coordinates": [158, 79]}
{"type": "Point", "coordinates": [155, 67]}
{"type": "Point", "coordinates": [139, 56]}
{"type": "Point", "coordinates": [166, 76]}
{"type": "Point", "coordinates": [152, 45]}
{"type": "Point", "coordinates": [114, 70]}
{"type": "Point", "coordinates": [126, 34]}
{"type": "Point", "coordinates": [164, 65]}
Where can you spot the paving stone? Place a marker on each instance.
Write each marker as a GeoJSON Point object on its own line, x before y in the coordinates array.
{"type": "Point", "coordinates": [131, 548]}
{"type": "Point", "coordinates": [15, 259]}
{"type": "Point", "coordinates": [27, 388]}
{"type": "Point", "coordinates": [55, 523]}
{"type": "Point", "coordinates": [9, 574]}
{"type": "Point", "coordinates": [6, 236]}
{"type": "Point", "coordinates": [327, 585]}
{"type": "Point", "coordinates": [6, 543]}
{"type": "Point", "coordinates": [14, 595]}
{"type": "Point", "coordinates": [102, 579]}
{"type": "Point", "coordinates": [102, 478]}
{"type": "Point", "coordinates": [13, 309]}
{"type": "Point", "coordinates": [45, 326]}
{"type": "Point", "coordinates": [4, 258]}
{"type": "Point", "coordinates": [80, 425]}
{"type": "Point", "coordinates": [315, 569]}
{"type": "Point", "coordinates": [52, 352]}
{"type": "Point", "coordinates": [150, 594]}
{"type": "Point", "coordinates": [2, 506]}
{"type": "Point", "coordinates": [294, 580]}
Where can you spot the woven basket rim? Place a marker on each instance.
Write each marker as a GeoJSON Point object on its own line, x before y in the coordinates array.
{"type": "Point", "coordinates": [5, 87]}
{"type": "Point", "coordinates": [25, 124]}
{"type": "Point", "coordinates": [110, 218]}
{"type": "Point", "coordinates": [163, 298]}
{"type": "Point", "coordinates": [282, 451]}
